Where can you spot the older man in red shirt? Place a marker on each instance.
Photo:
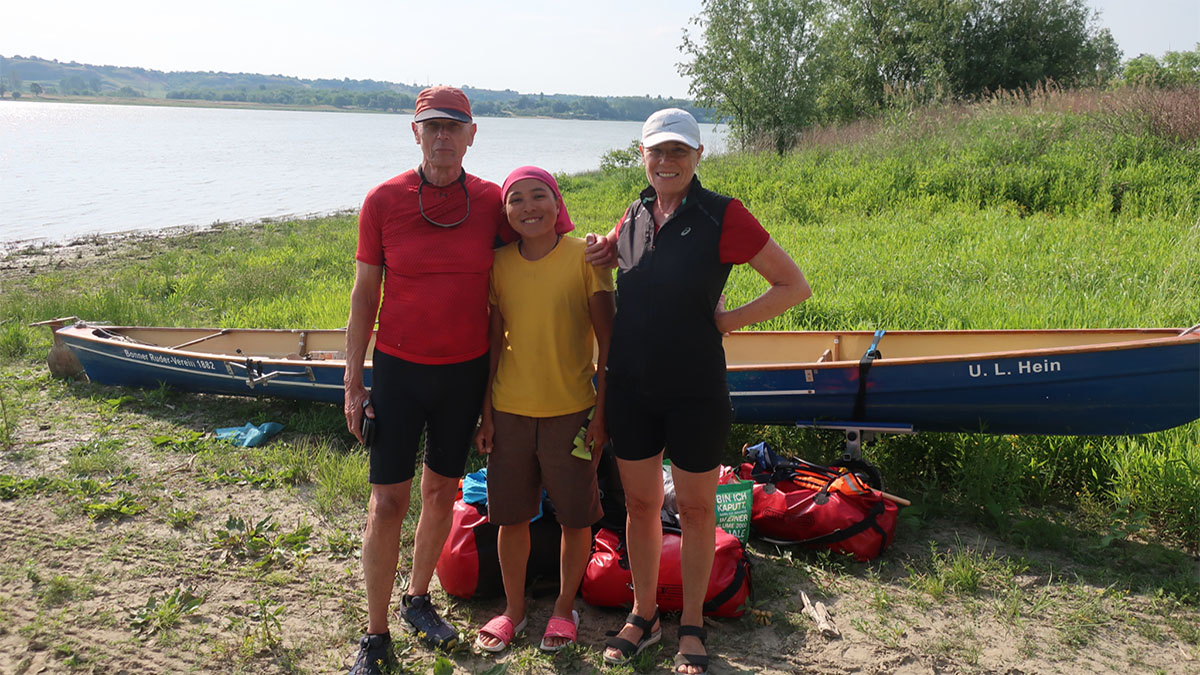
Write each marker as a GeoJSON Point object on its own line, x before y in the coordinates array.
{"type": "Point", "coordinates": [426, 237]}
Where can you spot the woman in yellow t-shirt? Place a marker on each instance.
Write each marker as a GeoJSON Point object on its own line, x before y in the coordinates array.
{"type": "Point", "coordinates": [550, 312]}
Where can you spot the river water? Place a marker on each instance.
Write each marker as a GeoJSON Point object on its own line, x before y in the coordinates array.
{"type": "Point", "coordinates": [70, 170]}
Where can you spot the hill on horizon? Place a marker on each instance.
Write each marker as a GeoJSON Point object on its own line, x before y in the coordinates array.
{"type": "Point", "coordinates": [17, 73]}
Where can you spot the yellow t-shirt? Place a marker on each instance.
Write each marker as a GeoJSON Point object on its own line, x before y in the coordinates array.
{"type": "Point", "coordinates": [546, 366]}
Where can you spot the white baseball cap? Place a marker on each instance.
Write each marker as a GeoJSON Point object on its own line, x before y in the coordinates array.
{"type": "Point", "coordinates": [671, 124]}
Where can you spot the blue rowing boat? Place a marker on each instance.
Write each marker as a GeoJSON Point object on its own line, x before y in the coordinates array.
{"type": "Point", "coordinates": [1062, 382]}
{"type": "Point", "coordinates": [1069, 382]}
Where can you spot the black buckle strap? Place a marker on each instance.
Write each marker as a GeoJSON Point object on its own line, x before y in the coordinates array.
{"type": "Point", "coordinates": [866, 523]}
{"type": "Point", "coordinates": [727, 593]}
{"type": "Point", "coordinates": [864, 365]}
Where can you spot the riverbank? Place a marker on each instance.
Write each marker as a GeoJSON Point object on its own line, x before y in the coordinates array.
{"type": "Point", "coordinates": [27, 256]}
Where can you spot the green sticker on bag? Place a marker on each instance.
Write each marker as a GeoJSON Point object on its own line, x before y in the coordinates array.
{"type": "Point", "coordinates": [735, 503]}
{"type": "Point", "coordinates": [734, 506]}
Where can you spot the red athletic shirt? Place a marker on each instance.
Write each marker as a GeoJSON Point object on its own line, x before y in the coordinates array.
{"type": "Point", "coordinates": [435, 288]}
{"type": "Point", "coordinates": [742, 236]}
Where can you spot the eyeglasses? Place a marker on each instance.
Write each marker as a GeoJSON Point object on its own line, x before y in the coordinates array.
{"type": "Point", "coordinates": [462, 182]}
{"type": "Point", "coordinates": [677, 152]}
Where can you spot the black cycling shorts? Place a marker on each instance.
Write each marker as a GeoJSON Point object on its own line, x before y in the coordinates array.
{"type": "Point", "coordinates": [693, 431]}
{"type": "Point", "coordinates": [443, 401]}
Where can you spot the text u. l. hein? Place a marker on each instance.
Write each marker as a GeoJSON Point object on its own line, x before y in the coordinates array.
{"type": "Point", "coordinates": [1023, 368]}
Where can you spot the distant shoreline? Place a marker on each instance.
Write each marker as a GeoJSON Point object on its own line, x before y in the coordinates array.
{"type": "Point", "coordinates": [248, 105]}
{"type": "Point", "coordinates": [189, 103]}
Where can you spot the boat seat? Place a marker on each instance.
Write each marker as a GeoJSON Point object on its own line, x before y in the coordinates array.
{"type": "Point", "coordinates": [317, 355]}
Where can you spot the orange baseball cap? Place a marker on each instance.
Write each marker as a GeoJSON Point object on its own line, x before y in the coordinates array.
{"type": "Point", "coordinates": [443, 103]}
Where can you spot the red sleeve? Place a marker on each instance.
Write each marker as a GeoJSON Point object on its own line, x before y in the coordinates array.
{"type": "Point", "coordinates": [370, 239]}
{"type": "Point", "coordinates": [491, 195]}
{"type": "Point", "coordinates": [623, 217]}
{"type": "Point", "coordinates": [742, 236]}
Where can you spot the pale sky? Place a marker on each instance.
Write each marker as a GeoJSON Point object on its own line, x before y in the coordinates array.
{"type": "Point", "coordinates": [600, 47]}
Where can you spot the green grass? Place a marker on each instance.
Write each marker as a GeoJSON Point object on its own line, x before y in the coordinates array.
{"type": "Point", "coordinates": [98, 457]}
{"type": "Point", "coordinates": [14, 341]}
{"type": "Point", "coordinates": [1001, 215]}
{"type": "Point", "coordinates": [994, 216]}
{"type": "Point", "coordinates": [341, 481]}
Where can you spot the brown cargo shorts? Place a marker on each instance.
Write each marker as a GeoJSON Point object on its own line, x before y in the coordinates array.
{"type": "Point", "coordinates": [530, 453]}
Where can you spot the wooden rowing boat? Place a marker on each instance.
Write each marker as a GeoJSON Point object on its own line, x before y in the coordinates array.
{"type": "Point", "coordinates": [1072, 382]}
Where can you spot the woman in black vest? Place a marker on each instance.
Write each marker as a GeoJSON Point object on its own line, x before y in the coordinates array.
{"type": "Point", "coordinates": [666, 371]}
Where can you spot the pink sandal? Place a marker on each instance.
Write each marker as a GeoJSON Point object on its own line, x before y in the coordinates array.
{"type": "Point", "coordinates": [560, 627]}
{"type": "Point", "coordinates": [501, 628]}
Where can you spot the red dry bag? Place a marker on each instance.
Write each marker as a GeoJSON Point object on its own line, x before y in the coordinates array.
{"type": "Point", "coordinates": [607, 581]}
{"type": "Point", "coordinates": [815, 506]}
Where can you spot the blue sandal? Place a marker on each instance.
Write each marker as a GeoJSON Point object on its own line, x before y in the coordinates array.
{"type": "Point", "coordinates": [628, 649]}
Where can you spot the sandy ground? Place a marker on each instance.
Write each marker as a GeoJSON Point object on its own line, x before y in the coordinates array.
{"type": "Point", "coordinates": [70, 586]}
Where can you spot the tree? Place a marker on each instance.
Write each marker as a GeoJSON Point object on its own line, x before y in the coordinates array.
{"type": "Point", "coordinates": [875, 53]}
{"type": "Point", "coordinates": [1183, 68]}
{"type": "Point", "coordinates": [1177, 69]}
{"type": "Point", "coordinates": [35, 88]}
{"type": "Point", "coordinates": [1011, 44]}
{"type": "Point", "coordinates": [773, 67]}
{"type": "Point", "coordinates": [753, 65]}
{"type": "Point", "coordinates": [595, 108]}
{"type": "Point", "coordinates": [73, 84]}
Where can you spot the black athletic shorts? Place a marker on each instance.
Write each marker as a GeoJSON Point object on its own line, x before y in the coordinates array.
{"type": "Point", "coordinates": [409, 398]}
{"type": "Point", "coordinates": [692, 430]}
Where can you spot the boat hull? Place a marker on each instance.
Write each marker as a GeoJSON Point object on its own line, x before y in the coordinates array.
{"type": "Point", "coordinates": [1127, 391]}
{"type": "Point", "coordinates": [123, 364]}
{"type": "Point", "coordinates": [1048, 382]}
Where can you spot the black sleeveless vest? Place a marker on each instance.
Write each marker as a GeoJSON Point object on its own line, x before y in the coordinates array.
{"type": "Point", "coordinates": [665, 340]}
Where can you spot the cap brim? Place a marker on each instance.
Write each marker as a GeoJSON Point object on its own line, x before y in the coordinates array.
{"type": "Point", "coordinates": [442, 114]}
{"type": "Point", "coordinates": [667, 136]}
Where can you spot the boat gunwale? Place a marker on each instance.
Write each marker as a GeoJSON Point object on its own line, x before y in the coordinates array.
{"type": "Point", "coordinates": [1146, 342]}
{"type": "Point", "coordinates": [85, 333]}
{"type": "Point", "coordinates": [1153, 337]}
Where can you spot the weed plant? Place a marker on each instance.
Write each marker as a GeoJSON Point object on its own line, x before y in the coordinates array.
{"type": "Point", "coordinates": [266, 628]}
{"type": "Point", "coordinates": [156, 617]}
{"type": "Point", "coordinates": [6, 426]}
{"type": "Point", "coordinates": [181, 519]}
{"type": "Point", "coordinates": [263, 542]}
{"type": "Point", "coordinates": [124, 505]}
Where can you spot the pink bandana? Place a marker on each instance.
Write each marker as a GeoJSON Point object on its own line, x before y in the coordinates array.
{"type": "Point", "coordinates": [562, 225]}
